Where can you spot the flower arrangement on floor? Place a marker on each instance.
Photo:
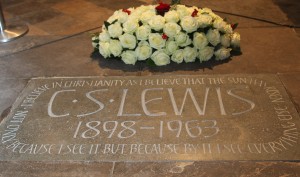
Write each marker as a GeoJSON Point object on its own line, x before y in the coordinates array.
{"type": "Point", "coordinates": [163, 33]}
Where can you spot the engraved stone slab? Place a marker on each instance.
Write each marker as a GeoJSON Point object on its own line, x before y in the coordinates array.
{"type": "Point", "coordinates": [154, 118]}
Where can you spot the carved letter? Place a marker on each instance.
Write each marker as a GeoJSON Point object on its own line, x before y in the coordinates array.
{"type": "Point", "coordinates": [252, 104]}
{"type": "Point", "coordinates": [50, 112]}
{"type": "Point", "coordinates": [144, 102]}
{"type": "Point", "coordinates": [121, 108]}
{"type": "Point", "coordinates": [101, 105]}
{"type": "Point", "coordinates": [222, 109]}
{"type": "Point", "coordinates": [190, 92]}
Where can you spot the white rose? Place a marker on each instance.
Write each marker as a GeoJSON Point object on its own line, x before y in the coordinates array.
{"type": "Point", "coordinates": [160, 58]}
{"type": "Point", "coordinates": [206, 10]}
{"type": "Point", "coordinates": [104, 36]}
{"type": "Point", "coordinates": [115, 30]}
{"type": "Point", "coordinates": [189, 24]}
{"type": "Point", "coordinates": [225, 40]}
{"type": "Point", "coordinates": [171, 29]}
{"type": "Point", "coordinates": [157, 22]}
{"type": "Point", "coordinates": [204, 20]}
{"type": "Point", "coordinates": [222, 53]}
{"type": "Point", "coordinates": [129, 57]}
{"type": "Point", "coordinates": [200, 40]}
{"type": "Point", "coordinates": [104, 49]}
{"type": "Point", "coordinates": [139, 11]}
{"type": "Point", "coordinates": [171, 46]}
{"type": "Point", "coordinates": [205, 54]}
{"type": "Point", "coordinates": [182, 10]}
{"type": "Point", "coordinates": [235, 40]}
{"type": "Point", "coordinates": [121, 16]}
{"type": "Point", "coordinates": [118, 15]}
{"type": "Point", "coordinates": [143, 32]}
{"type": "Point", "coordinates": [115, 48]}
{"type": "Point", "coordinates": [143, 51]}
{"type": "Point", "coordinates": [112, 18]}
{"type": "Point", "coordinates": [228, 29]}
{"type": "Point", "coordinates": [222, 26]}
{"type": "Point", "coordinates": [213, 36]}
{"type": "Point", "coordinates": [156, 41]}
{"type": "Point", "coordinates": [192, 9]}
{"type": "Point", "coordinates": [190, 54]}
{"type": "Point", "coordinates": [177, 56]}
{"type": "Point", "coordinates": [146, 16]}
{"type": "Point", "coordinates": [187, 42]}
{"type": "Point", "coordinates": [130, 26]}
{"type": "Point", "coordinates": [210, 12]}
{"type": "Point", "coordinates": [95, 41]}
{"type": "Point", "coordinates": [182, 39]}
{"type": "Point", "coordinates": [219, 24]}
{"type": "Point", "coordinates": [103, 28]}
{"type": "Point", "coordinates": [128, 41]}
{"type": "Point", "coordinates": [133, 18]}
{"type": "Point", "coordinates": [172, 16]}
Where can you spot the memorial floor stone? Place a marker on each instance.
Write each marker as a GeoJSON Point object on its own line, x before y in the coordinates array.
{"type": "Point", "coordinates": [153, 118]}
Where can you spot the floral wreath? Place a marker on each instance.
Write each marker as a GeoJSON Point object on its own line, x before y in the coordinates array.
{"type": "Point", "coordinates": [163, 33]}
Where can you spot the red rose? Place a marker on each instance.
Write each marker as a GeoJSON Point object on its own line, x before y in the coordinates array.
{"type": "Point", "coordinates": [162, 8]}
{"type": "Point", "coordinates": [127, 11]}
{"type": "Point", "coordinates": [194, 14]}
{"type": "Point", "coordinates": [164, 36]}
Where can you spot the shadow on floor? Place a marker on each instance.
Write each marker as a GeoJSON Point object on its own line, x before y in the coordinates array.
{"type": "Point", "coordinates": [116, 64]}
{"type": "Point", "coordinates": [291, 8]}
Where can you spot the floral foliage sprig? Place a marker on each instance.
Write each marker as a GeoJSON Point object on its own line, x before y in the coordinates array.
{"type": "Point", "coordinates": [163, 33]}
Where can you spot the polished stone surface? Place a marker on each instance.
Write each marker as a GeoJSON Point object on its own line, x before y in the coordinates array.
{"type": "Point", "coordinates": [157, 118]}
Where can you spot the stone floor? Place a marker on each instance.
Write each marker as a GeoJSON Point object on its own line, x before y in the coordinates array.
{"type": "Point", "coordinates": [58, 44]}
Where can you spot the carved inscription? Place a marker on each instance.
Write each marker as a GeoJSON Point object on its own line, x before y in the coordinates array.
{"type": "Point", "coordinates": [223, 117]}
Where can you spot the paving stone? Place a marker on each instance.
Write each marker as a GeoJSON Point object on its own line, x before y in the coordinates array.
{"type": "Point", "coordinates": [43, 61]}
{"type": "Point", "coordinates": [266, 49]}
{"type": "Point", "coordinates": [258, 9]}
{"type": "Point", "coordinates": [291, 82]}
{"type": "Point", "coordinates": [39, 15]}
{"type": "Point", "coordinates": [291, 8]}
{"type": "Point", "coordinates": [25, 7]}
{"type": "Point", "coordinates": [208, 169]}
{"type": "Point", "coordinates": [9, 91]}
{"type": "Point", "coordinates": [55, 169]}
{"type": "Point", "coordinates": [204, 117]}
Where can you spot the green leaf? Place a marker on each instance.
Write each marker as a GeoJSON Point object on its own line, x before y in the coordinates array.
{"type": "Point", "coordinates": [206, 29]}
{"type": "Point", "coordinates": [140, 23]}
{"type": "Point", "coordinates": [106, 24]}
{"type": "Point", "coordinates": [174, 2]}
{"type": "Point", "coordinates": [218, 47]}
{"type": "Point", "coordinates": [96, 41]}
{"type": "Point", "coordinates": [114, 21]}
{"type": "Point", "coordinates": [200, 30]}
{"type": "Point", "coordinates": [234, 26]}
{"type": "Point", "coordinates": [150, 62]}
{"type": "Point", "coordinates": [94, 34]}
{"type": "Point", "coordinates": [96, 51]}
{"type": "Point", "coordinates": [236, 51]}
